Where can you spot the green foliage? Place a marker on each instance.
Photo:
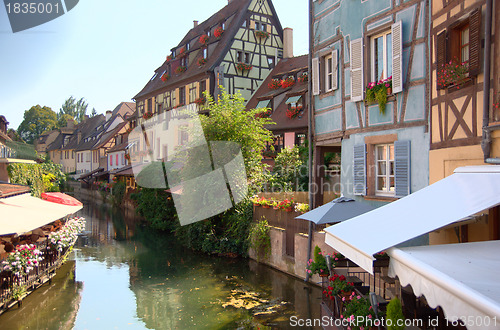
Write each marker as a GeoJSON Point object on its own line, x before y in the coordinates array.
{"type": "Point", "coordinates": [75, 109]}
{"type": "Point", "coordinates": [118, 192]}
{"type": "Point", "coordinates": [318, 264]}
{"type": "Point", "coordinates": [229, 121]}
{"type": "Point", "coordinates": [36, 121]}
{"type": "Point", "coordinates": [358, 306]}
{"type": "Point", "coordinates": [62, 120]}
{"type": "Point", "coordinates": [14, 135]}
{"type": "Point", "coordinates": [226, 233]}
{"type": "Point", "coordinates": [260, 240]}
{"type": "Point", "coordinates": [394, 313]}
{"type": "Point", "coordinates": [287, 170]}
{"type": "Point", "coordinates": [39, 177]}
{"type": "Point", "coordinates": [157, 207]}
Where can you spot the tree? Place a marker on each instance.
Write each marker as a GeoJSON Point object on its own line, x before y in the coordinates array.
{"type": "Point", "coordinates": [62, 121]}
{"type": "Point", "coordinates": [229, 121]}
{"type": "Point", "coordinates": [76, 109]}
{"type": "Point", "coordinates": [93, 113]}
{"type": "Point", "coordinates": [14, 135]}
{"type": "Point", "coordinates": [36, 120]}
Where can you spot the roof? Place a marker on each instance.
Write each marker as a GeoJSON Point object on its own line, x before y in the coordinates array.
{"type": "Point", "coordinates": [232, 14]}
{"type": "Point", "coordinates": [445, 202]}
{"type": "Point", "coordinates": [280, 96]}
{"type": "Point", "coordinates": [8, 189]}
{"type": "Point", "coordinates": [85, 128]}
{"type": "Point", "coordinates": [107, 136]}
{"type": "Point", "coordinates": [121, 146]}
{"type": "Point", "coordinates": [124, 109]}
{"type": "Point", "coordinates": [123, 171]}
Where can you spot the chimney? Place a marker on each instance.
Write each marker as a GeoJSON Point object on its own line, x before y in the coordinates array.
{"type": "Point", "coordinates": [108, 114]}
{"type": "Point", "coordinates": [287, 42]}
{"type": "Point", "coordinates": [195, 23]}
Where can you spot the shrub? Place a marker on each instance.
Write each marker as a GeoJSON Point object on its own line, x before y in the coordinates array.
{"type": "Point", "coordinates": [260, 240]}
{"type": "Point", "coordinates": [394, 313]}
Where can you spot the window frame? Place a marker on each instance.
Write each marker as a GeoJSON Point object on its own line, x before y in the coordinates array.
{"type": "Point", "coordinates": [385, 55]}
{"type": "Point", "coordinates": [328, 73]}
{"type": "Point", "coordinates": [387, 192]}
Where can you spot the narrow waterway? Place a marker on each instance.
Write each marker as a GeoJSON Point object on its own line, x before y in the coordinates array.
{"type": "Point", "coordinates": [123, 276]}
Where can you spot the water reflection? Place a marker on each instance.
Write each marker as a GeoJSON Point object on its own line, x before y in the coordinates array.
{"type": "Point", "coordinates": [128, 276]}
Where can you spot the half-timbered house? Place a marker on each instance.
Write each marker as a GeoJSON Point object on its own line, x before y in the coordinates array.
{"type": "Point", "coordinates": [371, 95]}
{"type": "Point", "coordinates": [235, 48]}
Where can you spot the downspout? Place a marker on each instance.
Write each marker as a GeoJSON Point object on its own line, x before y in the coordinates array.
{"type": "Point", "coordinates": [486, 141]}
{"type": "Point", "coordinates": [309, 130]}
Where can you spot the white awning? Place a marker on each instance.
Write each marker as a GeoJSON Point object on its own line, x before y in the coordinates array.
{"type": "Point", "coordinates": [466, 192]}
{"type": "Point", "coordinates": [23, 213]}
{"type": "Point", "coordinates": [461, 278]}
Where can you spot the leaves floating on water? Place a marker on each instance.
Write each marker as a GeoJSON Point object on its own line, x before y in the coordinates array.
{"type": "Point", "coordinates": [251, 301]}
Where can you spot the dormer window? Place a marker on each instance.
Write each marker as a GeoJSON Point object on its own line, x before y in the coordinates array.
{"type": "Point", "coordinates": [154, 76]}
{"type": "Point", "coordinates": [188, 46]}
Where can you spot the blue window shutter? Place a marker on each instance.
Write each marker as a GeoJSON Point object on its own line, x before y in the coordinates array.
{"type": "Point", "coordinates": [359, 169]}
{"type": "Point", "coordinates": [402, 167]}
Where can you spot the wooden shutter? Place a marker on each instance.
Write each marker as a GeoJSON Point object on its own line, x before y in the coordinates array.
{"type": "Point", "coordinates": [441, 43]}
{"type": "Point", "coordinates": [335, 71]}
{"type": "Point", "coordinates": [474, 42]}
{"type": "Point", "coordinates": [402, 168]}
{"type": "Point", "coordinates": [397, 57]}
{"type": "Point", "coordinates": [252, 24]}
{"type": "Point", "coordinates": [359, 169]}
{"type": "Point", "coordinates": [357, 70]}
{"type": "Point", "coordinates": [315, 76]}
{"type": "Point", "coordinates": [269, 28]}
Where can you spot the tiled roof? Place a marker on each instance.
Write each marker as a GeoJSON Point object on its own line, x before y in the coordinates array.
{"type": "Point", "coordinates": [86, 128]}
{"type": "Point", "coordinates": [235, 10]}
{"type": "Point", "coordinates": [284, 66]}
{"type": "Point", "coordinates": [106, 137]}
{"type": "Point", "coordinates": [7, 189]}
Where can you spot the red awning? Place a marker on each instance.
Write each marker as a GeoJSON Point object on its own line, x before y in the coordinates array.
{"type": "Point", "coordinates": [60, 198]}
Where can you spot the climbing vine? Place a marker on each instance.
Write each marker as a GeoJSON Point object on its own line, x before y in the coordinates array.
{"type": "Point", "coordinates": [259, 238]}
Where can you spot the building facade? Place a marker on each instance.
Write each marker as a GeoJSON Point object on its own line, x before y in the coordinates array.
{"type": "Point", "coordinates": [371, 95]}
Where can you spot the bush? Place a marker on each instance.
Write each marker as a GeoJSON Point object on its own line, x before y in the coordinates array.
{"type": "Point", "coordinates": [259, 238]}
{"type": "Point", "coordinates": [117, 193]}
{"type": "Point", "coordinates": [394, 313]}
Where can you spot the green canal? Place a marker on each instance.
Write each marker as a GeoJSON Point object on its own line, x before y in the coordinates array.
{"type": "Point", "coordinates": [121, 275]}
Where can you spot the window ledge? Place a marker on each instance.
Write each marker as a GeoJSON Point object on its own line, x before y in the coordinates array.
{"type": "Point", "coordinates": [380, 198]}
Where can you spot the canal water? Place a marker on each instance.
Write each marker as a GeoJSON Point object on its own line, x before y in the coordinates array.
{"type": "Point", "coordinates": [122, 275]}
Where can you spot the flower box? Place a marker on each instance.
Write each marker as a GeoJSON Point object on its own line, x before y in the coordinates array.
{"type": "Point", "coordinates": [261, 34]}
{"type": "Point", "coordinates": [202, 61]}
{"type": "Point", "coordinates": [453, 73]}
{"type": "Point", "coordinates": [147, 115]}
{"type": "Point", "coordinates": [378, 91]}
{"type": "Point", "coordinates": [180, 69]}
{"type": "Point", "coordinates": [243, 66]}
{"type": "Point", "coordinates": [293, 111]}
{"type": "Point", "coordinates": [200, 101]}
{"type": "Point", "coordinates": [288, 82]}
{"type": "Point", "coordinates": [274, 84]}
{"type": "Point", "coordinates": [203, 39]}
{"type": "Point", "coordinates": [303, 78]}
{"type": "Point", "coordinates": [218, 32]}
{"type": "Point", "coordinates": [165, 77]}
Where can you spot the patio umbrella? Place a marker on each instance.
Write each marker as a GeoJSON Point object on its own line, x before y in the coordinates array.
{"type": "Point", "coordinates": [61, 198]}
{"type": "Point", "coordinates": [338, 210]}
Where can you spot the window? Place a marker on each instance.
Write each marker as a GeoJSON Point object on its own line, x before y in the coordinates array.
{"type": "Point", "coordinates": [384, 52]}
{"type": "Point", "coordinates": [384, 167]}
{"type": "Point", "coordinates": [167, 100]}
{"type": "Point", "coordinates": [149, 105]}
{"type": "Point", "coordinates": [257, 26]}
{"type": "Point", "coordinates": [270, 61]}
{"type": "Point", "coordinates": [184, 61]}
{"type": "Point", "coordinates": [325, 67]}
{"type": "Point", "coordinates": [72, 155]}
{"type": "Point", "coordinates": [460, 43]}
{"type": "Point", "coordinates": [247, 58]}
{"type": "Point", "coordinates": [110, 160]}
{"type": "Point", "coordinates": [279, 142]}
{"type": "Point", "coordinates": [300, 139]}
{"type": "Point", "coordinates": [183, 135]}
{"type": "Point", "coordinates": [263, 27]}
{"type": "Point", "coordinates": [381, 56]}
{"type": "Point", "coordinates": [182, 95]}
{"type": "Point", "coordinates": [203, 87]}
{"type": "Point", "coordinates": [192, 93]}
{"type": "Point", "coordinates": [205, 52]}
{"type": "Point", "coordinates": [116, 159]}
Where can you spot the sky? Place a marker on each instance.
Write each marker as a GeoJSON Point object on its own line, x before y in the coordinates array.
{"type": "Point", "coordinates": [105, 51]}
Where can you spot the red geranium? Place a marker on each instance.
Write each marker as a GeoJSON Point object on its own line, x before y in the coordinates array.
{"type": "Point", "coordinates": [218, 32]}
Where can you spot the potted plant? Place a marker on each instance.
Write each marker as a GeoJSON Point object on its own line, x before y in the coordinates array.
{"type": "Point", "coordinates": [200, 101]}
{"type": "Point", "coordinates": [453, 73]}
{"type": "Point", "coordinates": [358, 311]}
{"type": "Point", "coordinates": [219, 31]}
{"type": "Point", "coordinates": [180, 69]}
{"type": "Point", "coordinates": [274, 84]}
{"type": "Point", "coordinates": [147, 115]}
{"type": "Point", "coordinates": [318, 264]}
{"type": "Point", "coordinates": [202, 61]}
{"type": "Point", "coordinates": [303, 77]}
{"type": "Point", "coordinates": [287, 82]}
{"type": "Point", "coordinates": [381, 259]}
{"type": "Point", "coordinates": [293, 111]}
{"type": "Point", "coordinates": [261, 34]}
{"type": "Point", "coordinates": [301, 208]}
{"type": "Point", "coordinates": [286, 205]}
{"type": "Point", "coordinates": [338, 286]}
{"type": "Point", "coordinates": [377, 91]}
{"type": "Point", "coordinates": [243, 66]}
{"type": "Point", "coordinates": [165, 77]}
{"type": "Point", "coordinates": [203, 39]}
{"type": "Point", "coordinates": [265, 114]}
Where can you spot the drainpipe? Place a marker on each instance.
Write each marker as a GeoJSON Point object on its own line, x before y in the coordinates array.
{"type": "Point", "coordinates": [309, 130]}
{"type": "Point", "coordinates": [486, 141]}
